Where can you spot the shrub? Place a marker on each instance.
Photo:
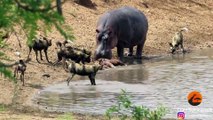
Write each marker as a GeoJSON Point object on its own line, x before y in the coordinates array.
{"type": "Point", "coordinates": [125, 108]}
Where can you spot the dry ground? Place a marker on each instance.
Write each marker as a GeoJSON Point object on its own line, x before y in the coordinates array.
{"type": "Point", "coordinates": [165, 18]}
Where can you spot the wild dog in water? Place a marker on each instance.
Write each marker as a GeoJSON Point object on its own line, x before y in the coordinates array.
{"type": "Point", "coordinates": [177, 41]}
{"type": "Point", "coordinates": [38, 45]}
{"type": "Point", "coordinates": [83, 70]}
{"type": "Point", "coordinates": [21, 67]}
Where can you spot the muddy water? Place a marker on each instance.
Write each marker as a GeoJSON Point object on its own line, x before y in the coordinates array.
{"type": "Point", "coordinates": [165, 81]}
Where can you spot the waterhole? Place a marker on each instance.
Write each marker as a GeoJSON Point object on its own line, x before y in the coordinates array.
{"type": "Point", "coordinates": [166, 81]}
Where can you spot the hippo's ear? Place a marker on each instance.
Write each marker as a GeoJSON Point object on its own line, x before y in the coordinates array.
{"type": "Point", "coordinates": [97, 30]}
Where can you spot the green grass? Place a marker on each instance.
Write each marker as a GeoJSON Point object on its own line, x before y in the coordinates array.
{"type": "Point", "coordinates": [2, 108]}
{"type": "Point", "coordinates": [66, 116]}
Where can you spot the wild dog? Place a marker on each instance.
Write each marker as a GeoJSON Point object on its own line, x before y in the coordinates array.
{"type": "Point", "coordinates": [20, 68]}
{"type": "Point", "coordinates": [38, 45]}
{"type": "Point", "coordinates": [66, 43]}
{"type": "Point", "coordinates": [82, 70]}
{"type": "Point", "coordinates": [71, 53]}
{"type": "Point", "coordinates": [177, 41]}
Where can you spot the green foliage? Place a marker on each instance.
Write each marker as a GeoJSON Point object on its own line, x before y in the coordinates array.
{"type": "Point", "coordinates": [66, 116]}
{"type": "Point", "coordinates": [3, 69]}
{"type": "Point", "coordinates": [2, 107]}
{"type": "Point", "coordinates": [30, 16]}
{"type": "Point", "coordinates": [125, 108]}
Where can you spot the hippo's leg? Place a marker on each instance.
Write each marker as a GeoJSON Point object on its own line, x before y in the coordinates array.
{"type": "Point", "coordinates": [139, 51]}
{"type": "Point", "coordinates": [130, 51]}
{"type": "Point", "coordinates": [120, 52]}
{"type": "Point", "coordinates": [140, 48]}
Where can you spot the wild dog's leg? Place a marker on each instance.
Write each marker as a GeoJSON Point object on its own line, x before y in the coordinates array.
{"type": "Point", "coordinates": [22, 78]}
{"type": "Point", "coordinates": [63, 62]}
{"type": "Point", "coordinates": [30, 49]}
{"type": "Point", "coordinates": [36, 52]}
{"type": "Point", "coordinates": [70, 78]}
{"type": "Point", "coordinates": [57, 61]}
{"type": "Point", "coordinates": [40, 55]}
{"type": "Point", "coordinates": [15, 72]}
{"type": "Point", "coordinates": [45, 52]}
{"type": "Point", "coordinates": [130, 51]}
{"type": "Point", "coordinates": [182, 49]}
{"type": "Point", "coordinates": [92, 79]}
{"type": "Point", "coordinates": [65, 66]}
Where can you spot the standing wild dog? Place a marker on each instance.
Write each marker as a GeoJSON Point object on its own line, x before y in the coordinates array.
{"type": "Point", "coordinates": [68, 52]}
{"type": "Point", "coordinates": [83, 70]}
{"type": "Point", "coordinates": [21, 67]}
{"type": "Point", "coordinates": [38, 45]}
{"type": "Point", "coordinates": [177, 41]}
{"type": "Point", "coordinates": [64, 43]}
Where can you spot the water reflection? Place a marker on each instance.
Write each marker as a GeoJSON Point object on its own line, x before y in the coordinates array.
{"type": "Point", "coordinates": [128, 74]}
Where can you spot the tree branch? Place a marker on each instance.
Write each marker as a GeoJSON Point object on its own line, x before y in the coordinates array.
{"type": "Point", "coordinates": [27, 8]}
{"type": "Point", "coordinates": [12, 64]}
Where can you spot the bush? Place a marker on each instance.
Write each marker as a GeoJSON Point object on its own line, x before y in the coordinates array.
{"type": "Point", "coordinates": [125, 108]}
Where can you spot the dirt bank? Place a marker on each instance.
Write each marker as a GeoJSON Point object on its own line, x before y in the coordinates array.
{"type": "Point", "coordinates": [165, 18]}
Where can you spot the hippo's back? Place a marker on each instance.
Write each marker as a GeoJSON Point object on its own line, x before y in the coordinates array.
{"type": "Point", "coordinates": [129, 23]}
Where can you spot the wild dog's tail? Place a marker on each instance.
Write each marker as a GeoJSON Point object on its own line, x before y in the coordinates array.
{"type": "Point", "coordinates": [184, 29]}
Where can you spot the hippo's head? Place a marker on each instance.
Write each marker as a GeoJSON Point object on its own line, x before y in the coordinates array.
{"type": "Point", "coordinates": [105, 41]}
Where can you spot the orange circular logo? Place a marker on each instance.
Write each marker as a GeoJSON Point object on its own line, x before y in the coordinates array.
{"type": "Point", "coordinates": [194, 98]}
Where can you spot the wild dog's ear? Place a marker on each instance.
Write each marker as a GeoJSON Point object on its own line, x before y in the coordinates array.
{"type": "Point", "coordinates": [170, 44]}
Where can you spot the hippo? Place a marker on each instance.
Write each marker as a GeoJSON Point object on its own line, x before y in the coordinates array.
{"type": "Point", "coordinates": [125, 27]}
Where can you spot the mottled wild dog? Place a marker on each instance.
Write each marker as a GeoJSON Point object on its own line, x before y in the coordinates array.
{"type": "Point", "coordinates": [177, 41]}
{"type": "Point", "coordinates": [68, 52]}
{"type": "Point", "coordinates": [21, 67]}
{"type": "Point", "coordinates": [65, 43]}
{"type": "Point", "coordinates": [38, 45]}
{"type": "Point", "coordinates": [83, 70]}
